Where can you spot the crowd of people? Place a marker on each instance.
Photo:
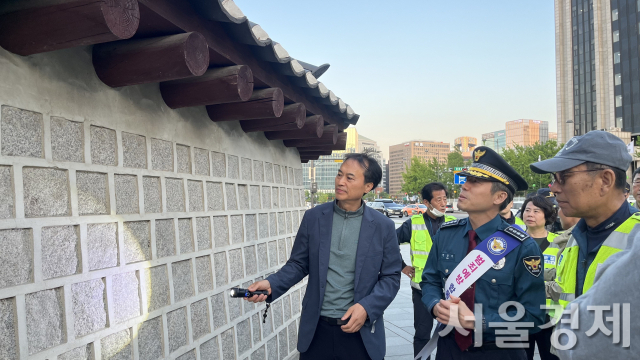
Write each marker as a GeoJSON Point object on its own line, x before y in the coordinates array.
{"type": "Point", "coordinates": [558, 276]}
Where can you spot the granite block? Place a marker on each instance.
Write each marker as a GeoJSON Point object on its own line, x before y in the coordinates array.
{"type": "Point", "coordinates": [8, 329]}
{"type": "Point", "coordinates": [291, 177]}
{"type": "Point", "coordinates": [126, 301]}
{"type": "Point", "coordinates": [67, 140]}
{"type": "Point", "coordinates": [16, 257]}
{"type": "Point", "coordinates": [246, 305]}
{"type": "Point", "coordinates": [150, 339]}
{"type": "Point", "coordinates": [134, 151]}
{"type": "Point", "coordinates": [126, 187]}
{"type": "Point", "coordinates": [293, 336]}
{"type": "Point", "coordinates": [230, 190]}
{"type": "Point", "coordinates": [263, 258]}
{"type": "Point", "coordinates": [282, 229]}
{"type": "Point", "coordinates": [152, 194]}
{"type": "Point", "coordinates": [246, 169]}
{"type": "Point", "coordinates": [276, 308]}
{"type": "Point", "coordinates": [22, 133]}
{"type": "Point", "coordinates": [286, 307]}
{"type": "Point", "coordinates": [273, 254]}
{"type": "Point", "coordinates": [228, 345]}
{"type": "Point", "coordinates": [295, 198]}
{"type": "Point", "coordinates": [235, 308]}
{"type": "Point", "coordinates": [283, 343]}
{"type": "Point", "coordinates": [60, 247]}
{"type": "Point", "coordinates": [219, 310]}
{"type": "Point", "coordinates": [277, 174]}
{"type": "Point", "coordinates": [182, 280]}
{"type": "Point", "coordinates": [137, 241]}
{"type": "Point", "coordinates": [46, 192]}
{"type": "Point", "coordinates": [165, 238]}
{"type": "Point", "coordinates": [237, 229]}
{"type": "Point", "coordinates": [157, 286]}
{"type": "Point", "coordinates": [236, 265]}
{"type": "Point", "coordinates": [243, 335]}
{"type": "Point", "coordinates": [185, 234]}
{"type": "Point", "coordinates": [254, 194]}
{"type": "Point", "coordinates": [80, 353]}
{"type": "Point", "coordinates": [220, 266]}
{"type": "Point", "coordinates": [283, 198]}
{"type": "Point", "coordinates": [258, 171]}
{"type": "Point", "coordinates": [251, 225]}
{"type": "Point", "coordinates": [201, 161]}
{"type": "Point", "coordinates": [45, 319]}
{"type": "Point", "coordinates": [287, 221]}
{"type": "Point", "coordinates": [250, 259]}
{"type": "Point", "coordinates": [295, 303]}
{"type": "Point", "coordinates": [285, 174]}
{"type": "Point", "coordinates": [7, 198]}
{"type": "Point", "coordinates": [117, 346]}
{"type": "Point", "coordinates": [255, 328]}
{"type": "Point", "coordinates": [288, 247]}
{"type": "Point", "coordinates": [104, 147]}
{"type": "Point", "coordinates": [215, 197]}
{"type": "Point", "coordinates": [273, 224]}
{"type": "Point", "coordinates": [243, 197]}
{"type": "Point", "coordinates": [289, 198]}
{"type": "Point", "coordinates": [275, 199]}
{"type": "Point", "coordinates": [200, 319]}
{"type": "Point", "coordinates": [218, 164]}
{"type": "Point", "coordinates": [268, 172]}
{"type": "Point", "coordinates": [177, 328]}
{"type": "Point", "coordinates": [196, 195]}
{"type": "Point", "coordinates": [298, 177]}
{"type": "Point", "coordinates": [267, 326]}
{"type": "Point", "coordinates": [203, 232]}
{"type": "Point", "coordinates": [89, 306]}
{"type": "Point", "coordinates": [266, 197]}
{"type": "Point", "coordinates": [175, 195]}
{"type": "Point", "coordinates": [93, 193]}
{"type": "Point", "coordinates": [189, 355]}
{"type": "Point", "coordinates": [303, 197]}
{"type": "Point", "coordinates": [161, 155]}
{"type": "Point", "coordinates": [210, 350]}
{"type": "Point", "coordinates": [272, 348]}
{"type": "Point", "coordinates": [233, 167]}
{"type": "Point", "coordinates": [263, 226]}
{"type": "Point", "coordinates": [259, 354]}
{"type": "Point", "coordinates": [295, 221]}
{"type": "Point", "coordinates": [220, 231]}
{"type": "Point", "coordinates": [183, 158]}
{"type": "Point", "coordinates": [203, 273]}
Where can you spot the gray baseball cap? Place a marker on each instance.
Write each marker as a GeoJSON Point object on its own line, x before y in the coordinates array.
{"type": "Point", "coordinates": [596, 146]}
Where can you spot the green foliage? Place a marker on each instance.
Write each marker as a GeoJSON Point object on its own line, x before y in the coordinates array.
{"type": "Point", "coordinates": [420, 174]}
{"type": "Point", "coordinates": [322, 198]}
{"type": "Point", "coordinates": [520, 157]}
{"type": "Point", "coordinates": [384, 195]}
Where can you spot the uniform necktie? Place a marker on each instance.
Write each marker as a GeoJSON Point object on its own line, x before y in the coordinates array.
{"type": "Point", "coordinates": [468, 296]}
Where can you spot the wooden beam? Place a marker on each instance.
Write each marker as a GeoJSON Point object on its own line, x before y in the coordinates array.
{"type": "Point", "coordinates": [330, 137]}
{"type": "Point", "coordinates": [307, 158]}
{"type": "Point", "coordinates": [265, 103]}
{"type": "Point", "coordinates": [279, 124]}
{"type": "Point", "coordinates": [315, 153]}
{"type": "Point", "coordinates": [341, 144]}
{"type": "Point", "coordinates": [144, 61]}
{"type": "Point", "coordinates": [182, 14]}
{"type": "Point", "coordinates": [216, 86]}
{"type": "Point", "coordinates": [32, 27]}
{"type": "Point", "coordinates": [312, 129]}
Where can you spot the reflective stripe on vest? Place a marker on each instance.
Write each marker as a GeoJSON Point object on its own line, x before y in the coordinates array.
{"type": "Point", "coordinates": [568, 262]}
{"type": "Point", "coordinates": [420, 246]}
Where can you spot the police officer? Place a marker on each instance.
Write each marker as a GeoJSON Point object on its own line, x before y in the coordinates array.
{"type": "Point", "coordinates": [508, 216]}
{"type": "Point", "coordinates": [418, 231]}
{"type": "Point", "coordinates": [589, 183]}
{"type": "Point", "coordinates": [491, 185]}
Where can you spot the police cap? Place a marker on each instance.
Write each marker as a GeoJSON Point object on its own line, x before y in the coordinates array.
{"type": "Point", "coordinates": [489, 165]}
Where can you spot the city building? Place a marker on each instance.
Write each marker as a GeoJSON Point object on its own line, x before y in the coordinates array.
{"type": "Point", "coordinates": [466, 144]}
{"type": "Point", "coordinates": [496, 140]}
{"type": "Point", "coordinates": [526, 132]}
{"type": "Point", "coordinates": [371, 147]}
{"type": "Point", "coordinates": [400, 157]}
{"type": "Point", "coordinates": [553, 135]}
{"type": "Point", "coordinates": [386, 177]}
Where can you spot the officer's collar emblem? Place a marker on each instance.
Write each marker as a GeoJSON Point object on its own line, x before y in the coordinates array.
{"type": "Point", "coordinates": [478, 154]}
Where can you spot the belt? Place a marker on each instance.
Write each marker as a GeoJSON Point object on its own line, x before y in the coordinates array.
{"type": "Point", "coordinates": [334, 321]}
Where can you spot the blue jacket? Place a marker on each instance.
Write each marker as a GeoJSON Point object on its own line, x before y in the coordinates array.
{"type": "Point", "coordinates": [377, 276]}
{"type": "Point", "coordinates": [511, 283]}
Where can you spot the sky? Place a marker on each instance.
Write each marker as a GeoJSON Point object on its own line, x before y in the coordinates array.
{"type": "Point", "coordinates": [424, 69]}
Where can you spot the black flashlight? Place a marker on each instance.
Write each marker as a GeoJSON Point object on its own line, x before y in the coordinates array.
{"type": "Point", "coordinates": [244, 293]}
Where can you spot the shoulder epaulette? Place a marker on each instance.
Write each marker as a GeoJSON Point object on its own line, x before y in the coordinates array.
{"type": "Point", "coordinates": [516, 232]}
{"type": "Point", "coordinates": [455, 222]}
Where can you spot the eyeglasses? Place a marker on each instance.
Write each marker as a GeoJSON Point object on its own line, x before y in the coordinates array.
{"type": "Point", "coordinates": [560, 177]}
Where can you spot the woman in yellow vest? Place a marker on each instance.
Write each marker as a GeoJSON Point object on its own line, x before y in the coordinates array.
{"type": "Point", "coordinates": [538, 212]}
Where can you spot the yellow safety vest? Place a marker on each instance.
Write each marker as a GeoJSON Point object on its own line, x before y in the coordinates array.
{"type": "Point", "coordinates": [550, 255]}
{"type": "Point", "coordinates": [568, 262]}
{"type": "Point", "coordinates": [520, 222]}
{"type": "Point", "coordinates": [420, 246]}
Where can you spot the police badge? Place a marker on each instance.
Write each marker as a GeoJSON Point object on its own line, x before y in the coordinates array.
{"type": "Point", "coordinates": [532, 264]}
{"type": "Point", "coordinates": [499, 265]}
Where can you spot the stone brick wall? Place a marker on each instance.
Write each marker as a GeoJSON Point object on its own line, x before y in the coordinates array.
{"type": "Point", "coordinates": [124, 223]}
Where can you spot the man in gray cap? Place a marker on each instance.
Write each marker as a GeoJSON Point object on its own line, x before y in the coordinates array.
{"type": "Point", "coordinates": [589, 178]}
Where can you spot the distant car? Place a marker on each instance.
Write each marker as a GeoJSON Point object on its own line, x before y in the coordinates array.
{"type": "Point", "coordinates": [414, 209]}
{"type": "Point", "coordinates": [392, 209]}
{"type": "Point", "coordinates": [379, 206]}
{"type": "Point", "coordinates": [449, 208]}
{"type": "Point", "coordinates": [383, 200]}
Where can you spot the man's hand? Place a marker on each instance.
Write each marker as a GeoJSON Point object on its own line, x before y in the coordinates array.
{"type": "Point", "coordinates": [260, 285]}
{"type": "Point", "coordinates": [454, 312]}
{"type": "Point", "coordinates": [358, 316]}
{"type": "Point", "coordinates": [466, 318]}
{"type": "Point", "coordinates": [409, 271]}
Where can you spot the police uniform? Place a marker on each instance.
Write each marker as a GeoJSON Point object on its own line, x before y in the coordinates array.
{"type": "Point", "coordinates": [517, 277]}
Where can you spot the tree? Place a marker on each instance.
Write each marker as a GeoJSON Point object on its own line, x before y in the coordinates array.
{"type": "Point", "coordinates": [384, 195]}
{"type": "Point", "coordinates": [323, 198]}
{"type": "Point", "coordinates": [520, 157]}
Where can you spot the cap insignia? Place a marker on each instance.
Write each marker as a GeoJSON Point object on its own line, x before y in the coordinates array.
{"type": "Point", "coordinates": [478, 154]}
